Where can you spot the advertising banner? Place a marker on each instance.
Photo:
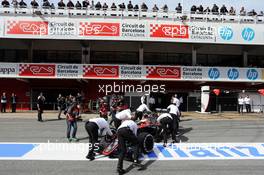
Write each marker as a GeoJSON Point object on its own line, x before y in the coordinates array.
{"type": "Point", "coordinates": [100, 71]}
{"type": "Point", "coordinates": [8, 70]}
{"type": "Point", "coordinates": [99, 29]}
{"type": "Point", "coordinates": [37, 70]}
{"type": "Point", "coordinates": [131, 72]}
{"type": "Point", "coordinates": [68, 71]}
{"type": "Point", "coordinates": [62, 28]}
{"type": "Point", "coordinates": [169, 31]}
{"type": "Point", "coordinates": [19, 27]}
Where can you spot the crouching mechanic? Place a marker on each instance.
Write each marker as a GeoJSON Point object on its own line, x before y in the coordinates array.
{"type": "Point", "coordinates": [127, 133]}
{"type": "Point", "coordinates": [121, 116]}
{"type": "Point", "coordinates": [140, 110]}
{"type": "Point", "coordinates": [166, 122]}
{"type": "Point", "coordinates": [93, 127]}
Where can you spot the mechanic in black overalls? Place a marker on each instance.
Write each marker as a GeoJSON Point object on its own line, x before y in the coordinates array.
{"type": "Point", "coordinates": [40, 106]}
{"type": "Point", "coordinates": [93, 126]}
{"type": "Point", "coordinates": [127, 132]}
{"type": "Point", "coordinates": [174, 112]}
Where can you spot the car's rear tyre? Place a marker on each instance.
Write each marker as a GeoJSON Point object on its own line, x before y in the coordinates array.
{"type": "Point", "coordinates": [146, 142]}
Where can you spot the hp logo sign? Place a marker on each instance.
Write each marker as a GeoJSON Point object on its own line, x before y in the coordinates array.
{"type": "Point", "coordinates": [233, 74]}
{"type": "Point", "coordinates": [213, 73]}
{"type": "Point", "coordinates": [226, 33]}
{"type": "Point", "coordinates": [248, 34]}
{"type": "Point", "coordinates": [252, 74]}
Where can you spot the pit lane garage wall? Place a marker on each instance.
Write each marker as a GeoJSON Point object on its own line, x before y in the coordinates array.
{"type": "Point", "coordinates": [130, 72]}
{"type": "Point", "coordinates": [132, 30]}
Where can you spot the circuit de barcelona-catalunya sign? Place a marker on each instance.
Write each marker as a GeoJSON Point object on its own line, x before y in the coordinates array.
{"type": "Point", "coordinates": [130, 72]}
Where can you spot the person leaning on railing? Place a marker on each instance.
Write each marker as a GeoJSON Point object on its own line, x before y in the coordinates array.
{"type": "Point", "coordinates": [122, 7]}
{"type": "Point", "coordinates": [136, 8]}
{"type": "Point", "coordinates": [105, 6]}
{"type": "Point", "coordinates": [223, 10]}
{"type": "Point", "coordinates": [34, 4]}
{"type": "Point", "coordinates": [232, 11]}
{"type": "Point", "coordinates": [113, 6]}
{"type": "Point", "coordinates": [61, 5]}
{"type": "Point", "coordinates": [207, 10]}
{"type": "Point", "coordinates": [130, 6]}
{"type": "Point", "coordinates": [165, 8]}
{"type": "Point", "coordinates": [70, 5]}
{"type": "Point", "coordinates": [215, 9]}
{"type": "Point", "coordinates": [5, 4]}
{"type": "Point", "coordinates": [155, 8]}
{"type": "Point", "coordinates": [22, 4]}
{"type": "Point", "coordinates": [144, 7]}
{"type": "Point", "coordinates": [78, 5]}
{"type": "Point", "coordinates": [178, 8]}
{"type": "Point", "coordinates": [85, 4]}
{"type": "Point", "coordinates": [46, 4]}
{"type": "Point", "coordinates": [243, 11]}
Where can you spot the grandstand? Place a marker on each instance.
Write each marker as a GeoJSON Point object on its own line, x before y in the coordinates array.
{"type": "Point", "coordinates": [70, 50]}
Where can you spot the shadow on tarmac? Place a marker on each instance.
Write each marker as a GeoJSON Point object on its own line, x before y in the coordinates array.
{"type": "Point", "coordinates": [144, 166]}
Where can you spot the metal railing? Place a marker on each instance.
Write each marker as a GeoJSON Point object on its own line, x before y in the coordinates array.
{"type": "Point", "coordinates": [140, 14]}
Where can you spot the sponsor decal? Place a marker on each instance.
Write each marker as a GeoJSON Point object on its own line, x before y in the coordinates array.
{"type": "Point", "coordinates": [133, 30]}
{"type": "Point", "coordinates": [213, 73]}
{"type": "Point", "coordinates": [252, 74]}
{"type": "Point", "coordinates": [226, 33]}
{"type": "Point", "coordinates": [163, 72]}
{"type": "Point", "coordinates": [38, 70]}
{"type": "Point", "coordinates": [233, 74]}
{"type": "Point", "coordinates": [131, 72]}
{"type": "Point", "coordinates": [202, 33]}
{"type": "Point", "coordinates": [62, 28]}
{"type": "Point", "coordinates": [27, 27]}
{"type": "Point", "coordinates": [99, 29]}
{"type": "Point", "coordinates": [169, 31]}
{"type": "Point", "coordinates": [7, 69]}
{"type": "Point", "coordinates": [68, 70]}
{"type": "Point", "coordinates": [248, 34]}
{"type": "Point", "coordinates": [192, 73]}
{"type": "Point", "coordinates": [97, 71]}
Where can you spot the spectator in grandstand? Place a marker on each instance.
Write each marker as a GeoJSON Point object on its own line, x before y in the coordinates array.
{"type": "Point", "coordinates": [155, 8]}
{"type": "Point", "coordinates": [5, 3]}
{"type": "Point", "coordinates": [215, 9]}
{"type": "Point", "coordinates": [200, 9]}
{"type": "Point", "coordinates": [122, 6]}
{"type": "Point", "coordinates": [232, 11]}
{"type": "Point", "coordinates": [178, 8]}
{"type": "Point", "coordinates": [261, 13]}
{"type": "Point", "coordinates": [34, 4]}
{"type": "Point", "coordinates": [130, 6]}
{"type": "Point", "coordinates": [13, 102]}
{"type": "Point", "coordinates": [165, 8]}
{"type": "Point", "coordinates": [144, 7]}
{"type": "Point", "coordinates": [78, 5]}
{"type": "Point", "coordinates": [52, 6]}
{"type": "Point", "coordinates": [98, 6]}
{"type": "Point", "coordinates": [113, 6]}
{"type": "Point", "coordinates": [193, 9]}
{"type": "Point", "coordinates": [252, 13]}
{"type": "Point", "coordinates": [105, 6]}
{"type": "Point", "coordinates": [22, 4]}
{"type": "Point", "coordinates": [70, 5]}
{"type": "Point", "coordinates": [136, 8]}
{"type": "Point", "coordinates": [92, 5]}
{"type": "Point", "coordinates": [14, 3]}
{"type": "Point", "coordinates": [46, 4]}
{"type": "Point", "coordinates": [223, 10]}
{"type": "Point", "coordinates": [85, 3]}
{"type": "Point", "coordinates": [243, 11]}
{"type": "Point", "coordinates": [61, 4]}
{"type": "Point", "coordinates": [207, 10]}
{"type": "Point", "coordinates": [3, 102]}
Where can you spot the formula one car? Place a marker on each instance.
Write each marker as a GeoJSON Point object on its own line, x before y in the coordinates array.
{"type": "Point", "coordinates": [148, 129]}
